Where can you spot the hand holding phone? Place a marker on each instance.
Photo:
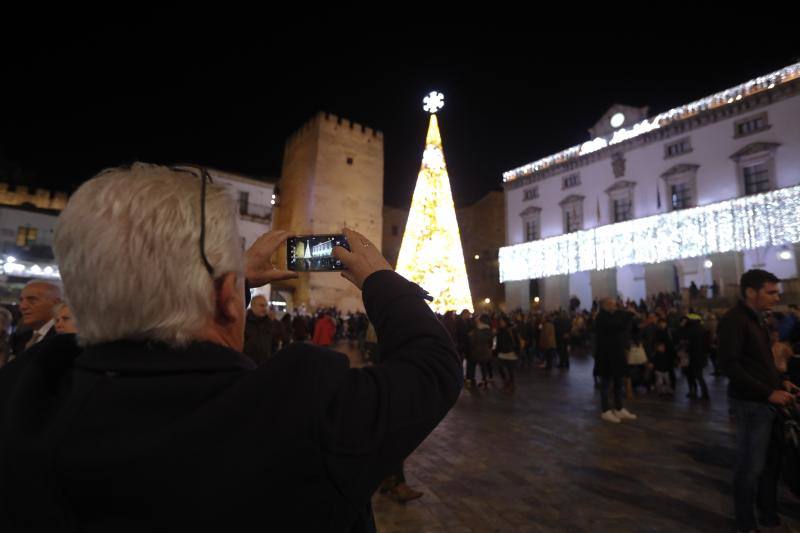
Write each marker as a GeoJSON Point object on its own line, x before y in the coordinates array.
{"type": "Point", "coordinates": [362, 258]}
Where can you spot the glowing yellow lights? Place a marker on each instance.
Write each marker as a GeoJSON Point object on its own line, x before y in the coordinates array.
{"type": "Point", "coordinates": [477, 257]}
{"type": "Point", "coordinates": [431, 253]}
{"type": "Point", "coordinates": [536, 299]}
{"type": "Point", "coordinates": [487, 301]}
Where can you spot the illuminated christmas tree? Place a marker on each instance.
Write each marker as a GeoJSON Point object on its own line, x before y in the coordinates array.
{"type": "Point", "coordinates": [431, 253]}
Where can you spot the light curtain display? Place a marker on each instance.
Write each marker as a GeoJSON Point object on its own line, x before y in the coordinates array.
{"type": "Point", "coordinates": [769, 219]}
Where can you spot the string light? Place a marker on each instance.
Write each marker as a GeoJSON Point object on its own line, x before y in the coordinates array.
{"type": "Point", "coordinates": [728, 96]}
{"type": "Point", "coordinates": [431, 253]}
{"type": "Point", "coordinates": [768, 219]}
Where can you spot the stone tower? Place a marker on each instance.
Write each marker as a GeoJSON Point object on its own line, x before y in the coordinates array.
{"type": "Point", "coordinates": [332, 177]}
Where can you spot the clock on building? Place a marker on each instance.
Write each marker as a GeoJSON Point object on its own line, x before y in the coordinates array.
{"type": "Point", "coordinates": [617, 120]}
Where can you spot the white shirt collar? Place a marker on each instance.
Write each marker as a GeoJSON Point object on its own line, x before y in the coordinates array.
{"type": "Point", "coordinates": [42, 331]}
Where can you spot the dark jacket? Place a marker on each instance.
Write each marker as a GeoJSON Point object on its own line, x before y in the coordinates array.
{"type": "Point", "coordinates": [563, 327]}
{"type": "Point", "coordinates": [507, 340]}
{"type": "Point", "coordinates": [697, 344]}
{"type": "Point", "coordinates": [462, 335]}
{"type": "Point", "coordinates": [480, 344]}
{"type": "Point", "coordinates": [663, 361]}
{"type": "Point", "coordinates": [613, 333]}
{"type": "Point", "coordinates": [136, 436]}
{"type": "Point", "coordinates": [258, 333]}
{"type": "Point", "coordinates": [299, 328]}
{"type": "Point", "coordinates": [745, 355]}
{"type": "Point", "coordinates": [22, 335]}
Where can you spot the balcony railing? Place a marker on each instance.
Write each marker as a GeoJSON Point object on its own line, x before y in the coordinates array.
{"type": "Point", "coordinates": [261, 212]}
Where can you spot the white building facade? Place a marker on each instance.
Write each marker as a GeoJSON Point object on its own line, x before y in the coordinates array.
{"type": "Point", "coordinates": [699, 193]}
{"type": "Point", "coordinates": [255, 200]}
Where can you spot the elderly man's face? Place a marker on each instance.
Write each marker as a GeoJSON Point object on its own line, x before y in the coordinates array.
{"type": "Point", "coordinates": [36, 304]}
{"type": "Point", "coordinates": [259, 307]}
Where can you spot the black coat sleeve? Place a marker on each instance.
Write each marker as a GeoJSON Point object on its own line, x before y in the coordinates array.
{"type": "Point", "coordinates": [374, 417]}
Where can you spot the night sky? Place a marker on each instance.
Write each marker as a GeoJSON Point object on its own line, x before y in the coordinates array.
{"type": "Point", "coordinates": [228, 91]}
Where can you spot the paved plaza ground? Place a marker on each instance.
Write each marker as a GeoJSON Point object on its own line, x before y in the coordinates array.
{"type": "Point", "coordinates": [542, 460]}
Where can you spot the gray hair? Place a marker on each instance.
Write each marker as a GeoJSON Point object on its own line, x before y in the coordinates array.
{"type": "Point", "coordinates": [53, 290]}
{"type": "Point", "coordinates": [128, 248]}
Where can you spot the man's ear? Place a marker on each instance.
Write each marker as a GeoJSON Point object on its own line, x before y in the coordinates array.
{"type": "Point", "coordinates": [750, 293]}
{"type": "Point", "coordinates": [228, 298]}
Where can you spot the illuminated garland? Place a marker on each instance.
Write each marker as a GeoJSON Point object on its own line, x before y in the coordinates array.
{"type": "Point", "coordinates": [431, 253]}
{"type": "Point", "coordinates": [729, 96]}
{"type": "Point", "coordinates": [11, 266]}
{"type": "Point", "coordinates": [769, 219]}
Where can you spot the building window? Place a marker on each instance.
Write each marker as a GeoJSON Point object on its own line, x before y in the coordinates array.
{"type": "Point", "coordinates": [26, 235]}
{"type": "Point", "coordinates": [682, 146]}
{"type": "Point", "coordinates": [244, 200]}
{"type": "Point", "coordinates": [756, 178]}
{"type": "Point", "coordinates": [681, 186]}
{"type": "Point", "coordinates": [531, 225]}
{"type": "Point", "coordinates": [349, 160]}
{"type": "Point", "coordinates": [572, 220]}
{"type": "Point", "coordinates": [623, 209]}
{"type": "Point", "coordinates": [572, 208]}
{"type": "Point", "coordinates": [571, 181]}
{"type": "Point", "coordinates": [680, 195]}
{"type": "Point", "coordinates": [395, 231]}
{"type": "Point", "coordinates": [621, 201]}
{"type": "Point", "coordinates": [751, 125]}
{"type": "Point", "coordinates": [755, 166]}
{"type": "Point", "coordinates": [531, 230]}
{"type": "Point", "coordinates": [531, 194]}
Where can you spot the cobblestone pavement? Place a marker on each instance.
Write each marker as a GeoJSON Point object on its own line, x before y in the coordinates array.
{"type": "Point", "coordinates": [542, 460]}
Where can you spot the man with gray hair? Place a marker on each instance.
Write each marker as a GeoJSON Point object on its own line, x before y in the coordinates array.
{"type": "Point", "coordinates": [36, 302]}
{"type": "Point", "coordinates": [155, 420]}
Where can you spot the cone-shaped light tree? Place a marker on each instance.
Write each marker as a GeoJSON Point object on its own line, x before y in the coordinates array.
{"type": "Point", "coordinates": [431, 253]}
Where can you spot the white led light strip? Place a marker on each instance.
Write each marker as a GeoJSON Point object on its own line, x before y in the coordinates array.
{"type": "Point", "coordinates": [729, 96]}
{"type": "Point", "coordinates": [769, 219]}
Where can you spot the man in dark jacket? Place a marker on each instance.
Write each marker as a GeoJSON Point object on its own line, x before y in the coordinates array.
{"type": "Point", "coordinates": [258, 331]}
{"type": "Point", "coordinates": [36, 302]}
{"type": "Point", "coordinates": [755, 386]}
{"type": "Point", "coordinates": [697, 344]}
{"type": "Point", "coordinates": [612, 330]}
{"type": "Point", "coordinates": [156, 421]}
{"type": "Point", "coordinates": [563, 326]}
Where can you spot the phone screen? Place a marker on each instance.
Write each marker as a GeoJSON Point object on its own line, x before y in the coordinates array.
{"type": "Point", "coordinates": [314, 253]}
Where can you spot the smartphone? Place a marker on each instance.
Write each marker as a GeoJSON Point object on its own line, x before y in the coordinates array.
{"type": "Point", "coordinates": [314, 253]}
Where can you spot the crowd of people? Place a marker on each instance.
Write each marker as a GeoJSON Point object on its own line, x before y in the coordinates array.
{"type": "Point", "coordinates": [662, 339]}
{"type": "Point", "coordinates": [269, 329]}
